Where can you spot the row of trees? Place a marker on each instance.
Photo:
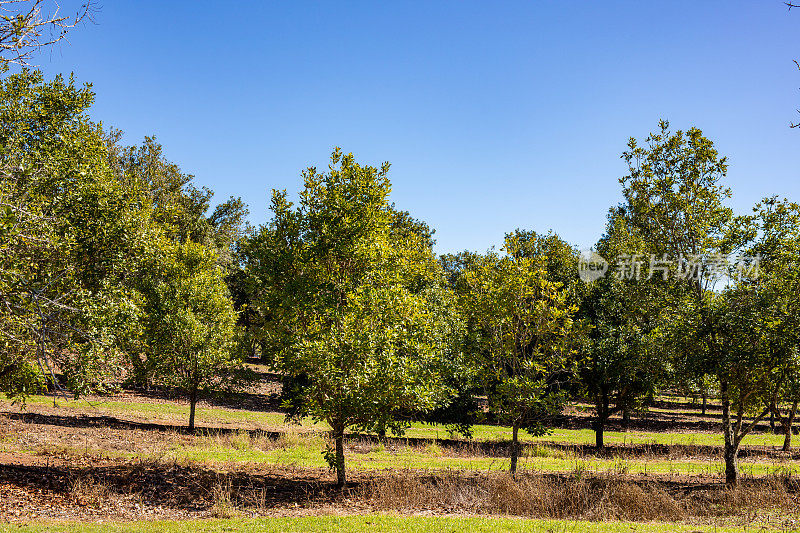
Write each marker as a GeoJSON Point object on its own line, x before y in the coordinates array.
{"type": "Point", "coordinates": [346, 295]}
{"type": "Point", "coordinates": [112, 263]}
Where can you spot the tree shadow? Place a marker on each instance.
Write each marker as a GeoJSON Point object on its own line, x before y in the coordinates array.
{"type": "Point", "coordinates": [190, 488]}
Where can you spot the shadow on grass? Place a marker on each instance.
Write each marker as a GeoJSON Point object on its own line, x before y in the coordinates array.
{"type": "Point", "coordinates": [448, 445]}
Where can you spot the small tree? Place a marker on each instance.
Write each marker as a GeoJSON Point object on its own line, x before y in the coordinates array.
{"type": "Point", "coordinates": [357, 314]}
{"type": "Point", "coordinates": [618, 369]}
{"type": "Point", "coordinates": [522, 330]}
{"type": "Point", "coordinates": [188, 321]}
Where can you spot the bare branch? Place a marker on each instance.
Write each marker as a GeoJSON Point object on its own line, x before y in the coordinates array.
{"type": "Point", "coordinates": [29, 25]}
{"type": "Point", "coordinates": [795, 124]}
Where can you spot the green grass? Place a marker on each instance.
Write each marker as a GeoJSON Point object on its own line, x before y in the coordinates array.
{"type": "Point", "coordinates": [370, 523]}
{"type": "Point", "coordinates": [171, 412]}
{"type": "Point", "coordinates": [310, 456]}
{"type": "Point", "coordinates": [587, 436]}
{"type": "Point", "coordinates": [305, 451]}
{"type": "Point", "coordinates": [178, 412]}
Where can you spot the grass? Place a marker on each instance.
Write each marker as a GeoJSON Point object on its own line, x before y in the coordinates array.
{"type": "Point", "coordinates": [308, 454]}
{"type": "Point", "coordinates": [173, 412]}
{"type": "Point", "coordinates": [167, 412]}
{"type": "Point", "coordinates": [453, 467]}
{"type": "Point", "coordinates": [304, 450]}
{"type": "Point", "coordinates": [301, 446]}
{"type": "Point", "coordinates": [372, 523]}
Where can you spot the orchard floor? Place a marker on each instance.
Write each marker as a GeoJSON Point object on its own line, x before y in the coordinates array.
{"type": "Point", "coordinates": [376, 523]}
{"type": "Point", "coordinates": [125, 463]}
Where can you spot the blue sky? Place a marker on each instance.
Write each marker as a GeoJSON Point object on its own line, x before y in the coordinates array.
{"type": "Point", "coordinates": [494, 115]}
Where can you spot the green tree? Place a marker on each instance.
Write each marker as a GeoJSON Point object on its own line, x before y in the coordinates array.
{"type": "Point", "coordinates": [619, 369]}
{"type": "Point", "coordinates": [357, 313]}
{"type": "Point", "coordinates": [675, 202]}
{"type": "Point", "coordinates": [177, 211]}
{"type": "Point", "coordinates": [776, 234]}
{"type": "Point", "coordinates": [556, 257]}
{"type": "Point", "coordinates": [523, 335]}
{"type": "Point", "coordinates": [177, 206]}
{"type": "Point", "coordinates": [187, 319]}
{"type": "Point", "coordinates": [71, 236]}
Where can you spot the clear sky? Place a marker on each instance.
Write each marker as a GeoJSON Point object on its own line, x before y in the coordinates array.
{"type": "Point", "coordinates": [494, 115]}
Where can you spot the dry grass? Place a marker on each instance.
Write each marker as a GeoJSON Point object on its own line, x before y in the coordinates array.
{"type": "Point", "coordinates": [575, 497]}
{"type": "Point", "coordinates": [222, 499]}
{"type": "Point", "coordinates": [87, 491]}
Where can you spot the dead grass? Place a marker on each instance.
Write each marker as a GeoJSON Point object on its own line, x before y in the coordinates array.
{"type": "Point", "coordinates": [576, 497]}
{"type": "Point", "coordinates": [88, 492]}
{"type": "Point", "coordinates": [222, 499]}
{"type": "Point", "coordinates": [7, 434]}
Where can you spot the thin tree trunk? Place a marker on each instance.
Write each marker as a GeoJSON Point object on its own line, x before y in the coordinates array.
{"type": "Point", "coordinates": [731, 450]}
{"type": "Point", "coordinates": [192, 408]}
{"type": "Point", "coordinates": [705, 402]}
{"type": "Point", "coordinates": [626, 418]}
{"type": "Point", "coordinates": [598, 434]}
{"type": "Point", "coordinates": [601, 407]}
{"type": "Point", "coordinates": [599, 427]}
{"type": "Point", "coordinates": [514, 448]}
{"type": "Point", "coordinates": [341, 477]}
{"type": "Point", "coordinates": [787, 427]}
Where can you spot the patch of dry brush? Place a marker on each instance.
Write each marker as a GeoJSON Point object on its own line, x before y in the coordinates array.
{"type": "Point", "coordinates": [577, 497]}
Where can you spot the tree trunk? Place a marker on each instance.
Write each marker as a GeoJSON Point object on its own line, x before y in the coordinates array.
{"type": "Point", "coordinates": [787, 427]}
{"type": "Point", "coordinates": [705, 402]}
{"type": "Point", "coordinates": [192, 408]}
{"type": "Point", "coordinates": [514, 448]}
{"type": "Point", "coordinates": [731, 464]}
{"type": "Point", "coordinates": [601, 407]}
{"type": "Point", "coordinates": [772, 420]}
{"type": "Point", "coordinates": [341, 477]}
{"type": "Point", "coordinates": [626, 418]}
{"type": "Point", "coordinates": [731, 450]}
{"type": "Point", "coordinates": [598, 434]}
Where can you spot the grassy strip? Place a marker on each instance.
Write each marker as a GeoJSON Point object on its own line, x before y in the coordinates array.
{"type": "Point", "coordinates": [164, 412]}
{"type": "Point", "coordinates": [178, 413]}
{"type": "Point", "coordinates": [587, 436]}
{"type": "Point", "coordinates": [310, 456]}
{"type": "Point", "coordinates": [370, 523]}
{"type": "Point", "coordinates": [305, 451]}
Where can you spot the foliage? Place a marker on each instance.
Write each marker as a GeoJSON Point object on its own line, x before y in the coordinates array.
{"type": "Point", "coordinates": [776, 230]}
{"type": "Point", "coordinates": [187, 320]}
{"type": "Point", "coordinates": [358, 311]}
{"type": "Point", "coordinates": [621, 367]}
{"type": "Point", "coordinates": [523, 335]}
{"type": "Point", "coordinates": [69, 233]}
{"type": "Point", "coordinates": [177, 212]}
{"type": "Point", "coordinates": [675, 202]}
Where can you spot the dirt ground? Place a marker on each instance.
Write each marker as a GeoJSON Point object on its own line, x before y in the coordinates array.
{"type": "Point", "coordinates": [55, 481]}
